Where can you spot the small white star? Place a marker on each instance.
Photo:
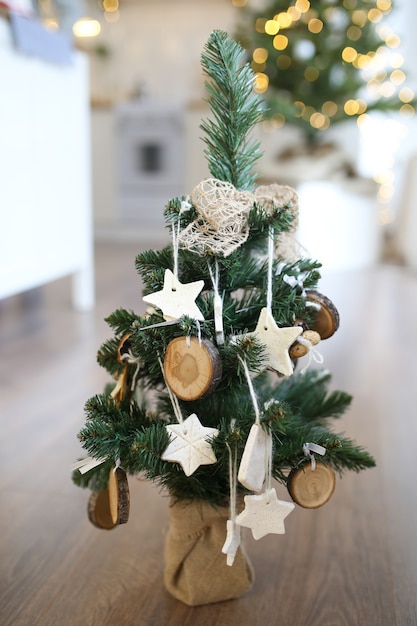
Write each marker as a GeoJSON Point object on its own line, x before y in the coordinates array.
{"type": "Point", "coordinates": [189, 444]}
{"type": "Point", "coordinates": [264, 514]}
{"type": "Point", "coordinates": [277, 341]}
{"type": "Point", "coordinates": [232, 543]}
{"type": "Point", "coordinates": [177, 299]}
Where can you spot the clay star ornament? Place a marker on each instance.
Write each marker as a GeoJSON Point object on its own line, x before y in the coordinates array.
{"type": "Point", "coordinates": [264, 514]}
{"type": "Point", "coordinates": [232, 542]}
{"type": "Point", "coordinates": [277, 341]}
{"type": "Point", "coordinates": [176, 299]}
{"type": "Point", "coordinates": [190, 444]}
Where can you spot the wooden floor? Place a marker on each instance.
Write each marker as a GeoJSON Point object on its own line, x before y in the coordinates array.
{"type": "Point", "coordinates": [352, 562]}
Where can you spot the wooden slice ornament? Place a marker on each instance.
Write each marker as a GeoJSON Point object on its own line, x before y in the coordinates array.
{"type": "Point", "coordinates": [192, 368]}
{"type": "Point", "coordinates": [327, 320]}
{"type": "Point", "coordinates": [98, 510]}
{"type": "Point", "coordinates": [311, 488]}
{"type": "Point", "coordinates": [119, 496]}
{"type": "Point", "coordinates": [110, 507]}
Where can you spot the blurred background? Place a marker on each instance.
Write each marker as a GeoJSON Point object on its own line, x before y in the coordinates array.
{"type": "Point", "coordinates": [101, 102]}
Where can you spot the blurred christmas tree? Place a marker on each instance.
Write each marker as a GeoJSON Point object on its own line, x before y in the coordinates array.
{"type": "Point", "coordinates": [319, 63]}
{"type": "Point", "coordinates": [205, 401]}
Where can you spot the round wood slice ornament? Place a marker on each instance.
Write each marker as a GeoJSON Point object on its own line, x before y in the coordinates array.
{"type": "Point", "coordinates": [119, 496]}
{"type": "Point", "coordinates": [327, 319]}
{"type": "Point", "coordinates": [192, 368]}
{"type": "Point", "coordinates": [311, 488]}
{"type": "Point", "coordinates": [98, 510]}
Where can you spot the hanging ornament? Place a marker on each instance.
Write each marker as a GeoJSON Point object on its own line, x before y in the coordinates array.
{"type": "Point", "coordinates": [190, 444]}
{"type": "Point", "coordinates": [303, 344]}
{"type": "Point", "coordinates": [327, 319]}
{"type": "Point", "coordinates": [177, 299]}
{"type": "Point", "coordinates": [119, 496]}
{"type": "Point", "coordinates": [192, 367]}
{"type": "Point", "coordinates": [252, 465]}
{"type": "Point", "coordinates": [264, 513]}
{"type": "Point", "coordinates": [110, 507]}
{"type": "Point", "coordinates": [98, 510]}
{"type": "Point", "coordinates": [311, 487]}
{"type": "Point", "coordinates": [277, 342]}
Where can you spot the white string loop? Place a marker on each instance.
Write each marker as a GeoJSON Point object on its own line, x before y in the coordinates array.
{"type": "Point", "coordinates": [309, 448]}
{"type": "Point", "coordinates": [173, 398]}
{"type": "Point", "coordinates": [251, 390]}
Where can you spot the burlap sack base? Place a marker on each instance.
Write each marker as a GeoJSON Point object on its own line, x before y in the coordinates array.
{"type": "Point", "coordinates": [195, 567]}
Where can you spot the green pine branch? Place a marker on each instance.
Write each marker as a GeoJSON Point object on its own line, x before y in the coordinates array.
{"type": "Point", "coordinates": [235, 108]}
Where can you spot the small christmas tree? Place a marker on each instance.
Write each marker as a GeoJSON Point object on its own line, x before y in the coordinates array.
{"type": "Point", "coordinates": [206, 403]}
{"type": "Point", "coordinates": [320, 63]}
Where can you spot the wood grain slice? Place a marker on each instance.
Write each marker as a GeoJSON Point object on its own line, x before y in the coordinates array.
{"type": "Point", "coordinates": [311, 488]}
{"type": "Point", "coordinates": [327, 320]}
{"type": "Point", "coordinates": [98, 510]}
{"type": "Point", "coordinates": [192, 369]}
{"type": "Point", "coordinates": [119, 496]}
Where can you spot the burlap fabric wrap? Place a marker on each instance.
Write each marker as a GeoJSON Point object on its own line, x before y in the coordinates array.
{"type": "Point", "coordinates": [195, 567]}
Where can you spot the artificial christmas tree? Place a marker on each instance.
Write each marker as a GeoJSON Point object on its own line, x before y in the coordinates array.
{"type": "Point", "coordinates": [321, 63]}
{"type": "Point", "coordinates": [206, 402]}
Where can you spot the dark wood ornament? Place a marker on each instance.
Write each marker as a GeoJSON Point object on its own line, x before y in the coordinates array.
{"type": "Point", "coordinates": [327, 320]}
{"type": "Point", "coordinates": [98, 510]}
{"type": "Point", "coordinates": [192, 369]}
{"type": "Point", "coordinates": [311, 488]}
{"type": "Point", "coordinates": [119, 496]}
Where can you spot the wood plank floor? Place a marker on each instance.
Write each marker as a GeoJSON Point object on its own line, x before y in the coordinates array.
{"type": "Point", "coordinates": [350, 563]}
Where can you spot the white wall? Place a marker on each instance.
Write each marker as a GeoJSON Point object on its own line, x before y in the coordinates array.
{"type": "Point", "coordinates": [156, 46]}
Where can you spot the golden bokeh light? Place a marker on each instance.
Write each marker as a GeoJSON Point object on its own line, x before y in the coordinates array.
{"type": "Point", "coordinates": [350, 4]}
{"type": "Point", "coordinates": [387, 89]}
{"type": "Point", "coordinates": [397, 77]}
{"type": "Point", "coordinates": [406, 94]}
{"type": "Point", "coordinates": [351, 107]}
{"type": "Point", "coordinates": [302, 5]}
{"type": "Point", "coordinates": [329, 108]}
{"type": "Point", "coordinates": [260, 24]}
{"type": "Point", "coordinates": [319, 121]}
{"type": "Point", "coordinates": [284, 20]}
{"type": "Point", "coordinates": [271, 27]}
{"type": "Point", "coordinates": [384, 5]}
{"type": "Point", "coordinates": [315, 26]}
{"type": "Point", "coordinates": [110, 5]}
{"type": "Point", "coordinates": [374, 15]}
{"type": "Point", "coordinates": [392, 40]}
{"type": "Point", "coordinates": [349, 54]}
{"type": "Point", "coordinates": [260, 55]}
{"type": "Point", "coordinates": [407, 110]}
{"type": "Point", "coordinates": [359, 17]}
{"type": "Point", "coordinates": [261, 82]}
{"type": "Point", "coordinates": [353, 33]}
{"type": "Point", "coordinates": [239, 3]}
{"type": "Point", "coordinates": [280, 42]}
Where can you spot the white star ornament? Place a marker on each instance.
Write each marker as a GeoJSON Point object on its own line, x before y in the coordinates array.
{"type": "Point", "coordinates": [190, 444]}
{"type": "Point", "coordinates": [277, 341]}
{"type": "Point", "coordinates": [176, 299]}
{"type": "Point", "coordinates": [264, 514]}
